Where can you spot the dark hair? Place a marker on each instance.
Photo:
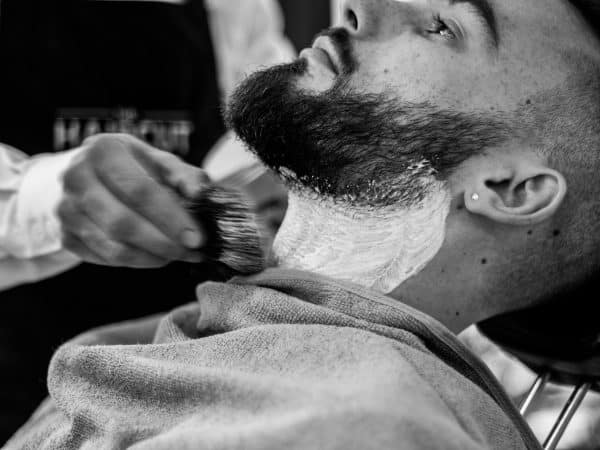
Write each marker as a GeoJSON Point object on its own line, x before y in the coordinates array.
{"type": "Point", "coordinates": [590, 10]}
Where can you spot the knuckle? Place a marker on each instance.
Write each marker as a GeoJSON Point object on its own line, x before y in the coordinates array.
{"type": "Point", "coordinates": [197, 178]}
{"type": "Point", "coordinates": [92, 140]}
{"type": "Point", "coordinates": [203, 176]}
{"type": "Point", "coordinates": [99, 140]}
{"type": "Point", "coordinates": [71, 243]}
{"type": "Point", "coordinates": [74, 180]}
{"type": "Point", "coordinates": [96, 154]}
{"type": "Point", "coordinates": [165, 157]}
{"type": "Point", "coordinates": [103, 146]}
{"type": "Point", "coordinates": [65, 212]}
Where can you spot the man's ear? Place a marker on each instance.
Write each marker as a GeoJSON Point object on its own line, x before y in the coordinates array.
{"type": "Point", "coordinates": [516, 192]}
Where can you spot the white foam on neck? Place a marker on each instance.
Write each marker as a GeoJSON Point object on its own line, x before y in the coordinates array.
{"type": "Point", "coordinates": [376, 248]}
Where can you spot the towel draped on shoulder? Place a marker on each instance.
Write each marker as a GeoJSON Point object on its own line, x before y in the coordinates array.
{"type": "Point", "coordinates": [281, 360]}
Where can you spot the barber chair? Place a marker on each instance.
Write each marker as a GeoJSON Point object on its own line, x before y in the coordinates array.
{"type": "Point", "coordinates": [560, 342]}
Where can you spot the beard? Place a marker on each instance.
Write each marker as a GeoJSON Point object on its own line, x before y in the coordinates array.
{"type": "Point", "coordinates": [366, 172]}
{"type": "Point", "coordinates": [354, 147]}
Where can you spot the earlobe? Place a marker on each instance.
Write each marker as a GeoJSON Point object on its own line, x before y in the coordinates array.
{"type": "Point", "coordinates": [528, 195]}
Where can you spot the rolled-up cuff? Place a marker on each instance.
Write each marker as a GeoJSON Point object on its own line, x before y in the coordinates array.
{"type": "Point", "coordinates": [36, 227]}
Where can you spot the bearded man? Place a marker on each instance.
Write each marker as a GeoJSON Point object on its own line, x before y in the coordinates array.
{"type": "Point", "coordinates": [428, 146]}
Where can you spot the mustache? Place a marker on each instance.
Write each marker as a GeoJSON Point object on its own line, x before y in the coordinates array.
{"type": "Point", "coordinates": [340, 38]}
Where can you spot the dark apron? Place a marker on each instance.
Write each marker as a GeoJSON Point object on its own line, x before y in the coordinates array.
{"type": "Point", "coordinates": [70, 69]}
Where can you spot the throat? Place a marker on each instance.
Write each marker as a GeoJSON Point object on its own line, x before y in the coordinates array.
{"type": "Point", "coordinates": [377, 248]}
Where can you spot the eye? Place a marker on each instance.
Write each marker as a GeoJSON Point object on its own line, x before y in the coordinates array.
{"type": "Point", "coordinates": [439, 27]}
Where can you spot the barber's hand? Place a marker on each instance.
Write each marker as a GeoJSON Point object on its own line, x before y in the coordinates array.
{"type": "Point", "coordinates": [120, 206]}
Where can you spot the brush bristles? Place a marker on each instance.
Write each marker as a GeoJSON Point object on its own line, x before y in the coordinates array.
{"type": "Point", "coordinates": [234, 237]}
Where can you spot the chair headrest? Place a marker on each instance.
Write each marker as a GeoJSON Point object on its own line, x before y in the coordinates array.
{"type": "Point", "coordinates": [567, 326]}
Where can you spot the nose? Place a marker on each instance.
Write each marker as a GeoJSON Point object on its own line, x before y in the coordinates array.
{"type": "Point", "coordinates": [367, 18]}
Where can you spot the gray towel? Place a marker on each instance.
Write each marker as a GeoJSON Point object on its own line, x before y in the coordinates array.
{"type": "Point", "coordinates": [281, 360]}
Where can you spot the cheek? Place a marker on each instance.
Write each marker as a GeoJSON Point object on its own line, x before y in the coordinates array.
{"type": "Point", "coordinates": [404, 76]}
{"type": "Point", "coordinates": [415, 72]}
{"type": "Point", "coordinates": [421, 71]}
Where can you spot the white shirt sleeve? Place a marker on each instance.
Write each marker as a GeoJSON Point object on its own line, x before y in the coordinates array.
{"type": "Point", "coordinates": [30, 244]}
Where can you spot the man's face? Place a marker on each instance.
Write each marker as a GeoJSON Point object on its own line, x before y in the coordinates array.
{"type": "Point", "coordinates": [464, 55]}
{"type": "Point", "coordinates": [381, 113]}
{"type": "Point", "coordinates": [400, 91]}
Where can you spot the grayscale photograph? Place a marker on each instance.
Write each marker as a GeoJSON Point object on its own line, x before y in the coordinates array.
{"type": "Point", "coordinates": [299, 224]}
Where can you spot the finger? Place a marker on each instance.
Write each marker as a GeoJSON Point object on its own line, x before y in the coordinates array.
{"type": "Point", "coordinates": [109, 214]}
{"type": "Point", "coordinates": [193, 257]}
{"type": "Point", "coordinates": [100, 249]}
{"type": "Point", "coordinates": [190, 181]}
{"type": "Point", "coordinates": [123, 225]}
{"type": "Point", "coordinates": [127, 180]}
{"type": "Point", "coordinates": [75, 219]}
{"type": "Point", "coordinates": [70, 221]}
{"type": "Point", "coordinates": [73, 244]}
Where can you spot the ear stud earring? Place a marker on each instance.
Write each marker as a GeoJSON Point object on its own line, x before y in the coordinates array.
{"type": "Point", "coordinates": [475, 197]}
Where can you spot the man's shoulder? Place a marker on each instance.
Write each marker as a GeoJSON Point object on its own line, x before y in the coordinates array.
{"type": "Point", "coordinates": [310, 360]}
{"type": "Point", "coordinates": [305, 383]}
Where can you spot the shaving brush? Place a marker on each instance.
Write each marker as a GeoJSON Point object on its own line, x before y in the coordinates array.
{"type": "Point", "coordinates": [234, 238]}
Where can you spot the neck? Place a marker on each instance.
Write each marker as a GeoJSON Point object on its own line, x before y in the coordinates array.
{"type": "Point", "coordinates": [378, 248]}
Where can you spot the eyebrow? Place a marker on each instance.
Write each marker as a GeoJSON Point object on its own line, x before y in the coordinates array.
{"type": "Point", "coordinates": [485, 11]}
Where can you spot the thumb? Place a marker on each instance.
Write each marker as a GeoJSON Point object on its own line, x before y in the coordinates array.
{"type": "Point", "coordinates": [188, 180]}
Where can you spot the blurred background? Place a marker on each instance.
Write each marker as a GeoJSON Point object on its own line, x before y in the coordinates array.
{"type": "Point", "coordinates": [305, 18]}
